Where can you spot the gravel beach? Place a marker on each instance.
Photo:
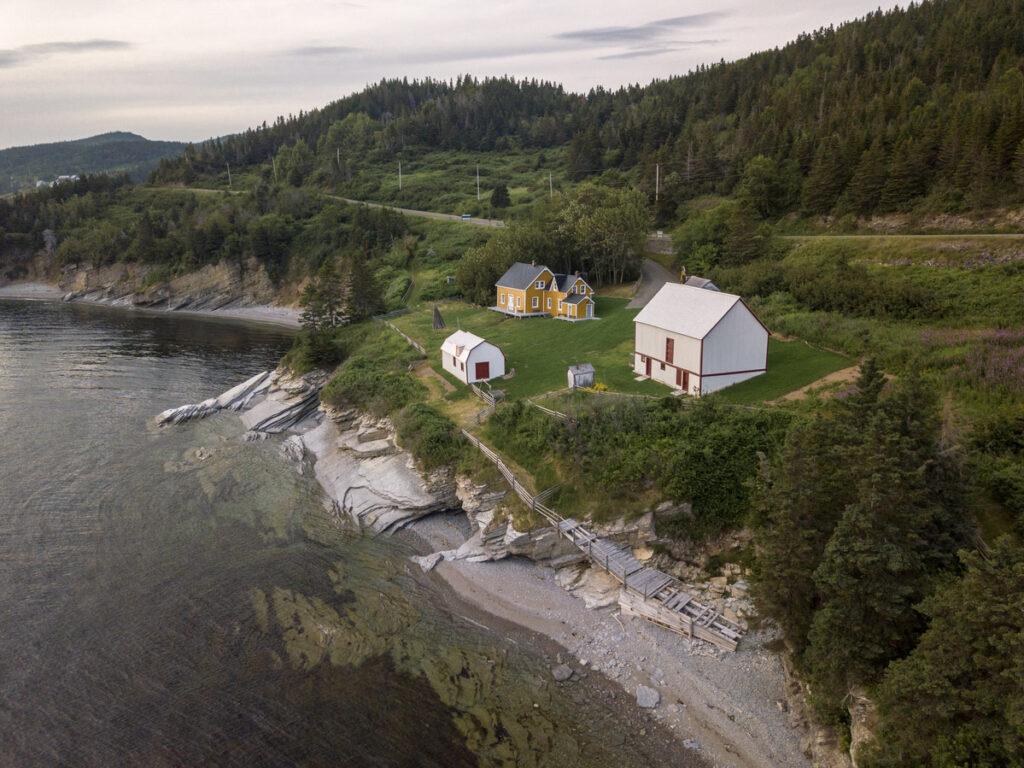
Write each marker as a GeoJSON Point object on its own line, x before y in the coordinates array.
{"type": "Point", "coordinates": [728, 707]}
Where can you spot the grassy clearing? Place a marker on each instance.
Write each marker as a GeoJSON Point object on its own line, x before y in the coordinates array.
{"type": "Point", "coordinates": [791, 365]}
{"type": "Point", "coordinates": [447, 182]}
{"type": "Point", "coordinates": [540, 349]}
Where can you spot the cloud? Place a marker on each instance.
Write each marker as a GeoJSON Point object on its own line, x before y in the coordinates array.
{"type": "Point", "coordinates": [643, 33]}
{"type": "Point", "coordinates": [27, 53]}
{"type": "Point", "coordinates": [321, 50]}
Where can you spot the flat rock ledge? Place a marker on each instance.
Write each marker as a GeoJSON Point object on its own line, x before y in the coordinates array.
{"type": "Point", "coordinates": [378, 486]}
{"type": "Point", "coordinates": [235, 399]}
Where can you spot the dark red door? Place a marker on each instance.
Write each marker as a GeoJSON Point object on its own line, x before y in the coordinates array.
{"type": "Point", "coordinates": [670, 346]}
{"type": "Point", "coordinates": [648, 366]}
{"type": "Point", "coordinates": [679, 377]}
{"type": "Point", "coordinates": [483, 371]}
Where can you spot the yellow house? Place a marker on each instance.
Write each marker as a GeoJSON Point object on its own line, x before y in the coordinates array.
{"type": "Point", "coordinates": [531, 290]}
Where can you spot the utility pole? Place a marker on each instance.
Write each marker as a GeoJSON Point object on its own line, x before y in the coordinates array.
{"type": "Point", "coordinates": [399, 175]}
{"type": "Point", "coordinates": [229, 173]}
{"type": "Point", "coordinates": [478, 182]}
{"type": "Point", "coordinates": [657, 180]}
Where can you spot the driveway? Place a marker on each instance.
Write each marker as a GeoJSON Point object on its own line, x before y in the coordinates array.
{"type": "Point", "coordinates": [654, 276]}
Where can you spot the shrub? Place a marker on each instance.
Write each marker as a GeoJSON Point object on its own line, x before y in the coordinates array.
{"type": "Point", "coordinates": [429, 435]}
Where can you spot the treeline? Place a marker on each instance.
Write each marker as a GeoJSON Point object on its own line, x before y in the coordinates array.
{"type": "Point", "coordinates": [99, 220]}
{"type": "Point", "coordinates": [858, 523]}
{"type": "Point", "coordinates": [597, 230]}
{"type": "Point", "coordinates": [915, 107]}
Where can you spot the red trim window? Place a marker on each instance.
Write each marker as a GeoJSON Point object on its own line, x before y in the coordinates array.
{"type": "Point", "coordinates": [670, 345]}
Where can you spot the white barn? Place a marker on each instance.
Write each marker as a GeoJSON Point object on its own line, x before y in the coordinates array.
{"type": "Point", "coordinates": [470, 359]}
{"type": "Point", "coordinates": [698, 341]}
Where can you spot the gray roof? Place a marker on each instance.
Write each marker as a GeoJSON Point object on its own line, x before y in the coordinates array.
{"type": "Point", "coordinates": [574, 298]}
{"type": "Point", "coordinates": [520, 276]}
{"type": "Point", "coordinates": [701, 282]}
{"type": "Point", "coordinates": [582, 368]}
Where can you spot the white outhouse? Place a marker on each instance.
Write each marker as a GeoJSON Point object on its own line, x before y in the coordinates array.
{"type": "Point", "coordinates": [469, 358]}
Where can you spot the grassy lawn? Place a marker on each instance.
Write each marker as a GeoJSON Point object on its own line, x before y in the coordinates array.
{"type": "Point", "coordinates": [791, 365]}
{"type": "Point", "coordinates": [540, 349]}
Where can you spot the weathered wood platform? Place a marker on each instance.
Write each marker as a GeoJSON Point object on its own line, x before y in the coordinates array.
{"type": "Point", "coordinates": [646, 592]}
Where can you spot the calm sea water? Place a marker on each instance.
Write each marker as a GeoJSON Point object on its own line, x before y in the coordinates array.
{"type": "Point", "coordinates": [162, 609]}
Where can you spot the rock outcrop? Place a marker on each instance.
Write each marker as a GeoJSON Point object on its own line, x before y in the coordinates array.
{"type": "Point", "coordinates": [234, 399]}
{"type": "Point", "coordinates": [214, 286]}
{"type": "Point", "coordinates": [371, 481]}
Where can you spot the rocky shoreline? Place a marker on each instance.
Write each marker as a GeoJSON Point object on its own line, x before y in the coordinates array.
{"type": "Point", "coordinates": [218, 290]}
{"type": "Point", "coordinates": [729, 708]}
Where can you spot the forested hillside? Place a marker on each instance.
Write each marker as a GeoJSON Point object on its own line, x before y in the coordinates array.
{"type": "Point", "coordinates": [900, 109]}
{"type": "Point", "coordinates": [110, 153]}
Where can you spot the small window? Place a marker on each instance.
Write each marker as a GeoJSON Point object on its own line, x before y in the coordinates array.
{"type": "Point", "coordinates": [539, 284]}
{"type": "Point", "coordinates": [662, 366]}
{"type": "Point", "coordinates": [501, 299]}
{"type": "Point", "coordinates": [536, 302]}
{"type": "Point", "coordinates": [559, 306]}
{"type": "Point", "coordinates": [463, 366]}
{"type": "Point", "coordinates": [519, 301]}
{"type": "Point", "coordinates": [549, 302]}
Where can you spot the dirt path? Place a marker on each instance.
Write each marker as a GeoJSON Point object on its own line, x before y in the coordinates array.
{"type": "Point", "coordinates": [844, 376]}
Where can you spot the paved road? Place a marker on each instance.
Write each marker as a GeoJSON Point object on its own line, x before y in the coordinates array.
{"type": "Point", "coordinates": [948, 236]}
{"type": "Point", "coordinates": [425, 214]}
{"type": "Point", "coordinates": [654, 276]}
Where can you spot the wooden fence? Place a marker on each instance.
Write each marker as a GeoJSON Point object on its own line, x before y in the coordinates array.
{"type": "Point", "coordinates": [647, 592]}
{"type": "Point", "coordinates": [411, 342]}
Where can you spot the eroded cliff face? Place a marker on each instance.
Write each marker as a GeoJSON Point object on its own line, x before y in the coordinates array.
{"type": "Point", "coordinates": [214, 286]}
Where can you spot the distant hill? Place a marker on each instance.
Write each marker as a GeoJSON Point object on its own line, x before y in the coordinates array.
{"type": "Point", "coordinates": [116, 152]}
{"type": "Point", "coordinates": [916, 109]}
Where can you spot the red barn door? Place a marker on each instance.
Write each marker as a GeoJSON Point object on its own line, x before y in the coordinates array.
{"type": "Point", "coordinates": [483, 371]}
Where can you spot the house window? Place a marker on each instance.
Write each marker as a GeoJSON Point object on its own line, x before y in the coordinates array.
{"type": "Point", "coordinates": [501, 299]}
{"type": "Point", "coordinates": [519, 301]}
{"type": "Point", "coordinates": [539, 284]}
{"type": "Point", "coordinates": [549, 302]}
{"type": "Point", "coordinates": [463, 366]}
{"type": "Point", "coordinates": [559, 306]}
{"type": "Point", "coordinates": [670, 348]}
{"type": "Point", "coordinates": [536, 302]}
{"type": "Point", "coordinates": [662, 366]}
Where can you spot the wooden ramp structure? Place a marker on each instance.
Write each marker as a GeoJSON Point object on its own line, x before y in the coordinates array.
{"type": "Point", "coordinates": [646, 592]}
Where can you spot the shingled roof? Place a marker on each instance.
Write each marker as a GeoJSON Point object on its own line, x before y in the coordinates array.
{"type": "Point", "coordinates": [521, 276]}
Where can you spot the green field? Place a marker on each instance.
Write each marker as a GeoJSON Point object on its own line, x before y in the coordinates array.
{"type": "Point", "coordinates": [791, 365]}
{"type": "Point", "coordinates": [540, 349]}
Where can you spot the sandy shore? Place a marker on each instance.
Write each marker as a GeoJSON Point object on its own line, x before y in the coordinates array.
{"type": "Point", "coordinates": [286, 317]}
{"type": "Point", "coordinates": [726, 707]}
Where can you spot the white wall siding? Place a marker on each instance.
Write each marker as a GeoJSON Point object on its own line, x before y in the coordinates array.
{"type": "Point", "coordinates": [450, 364]}
{"type": "Point", "coordinates": [650, 341]}
{"type": "Point", "coordinates": [715, 383]}
{"type": "Point", "coordinates": [738, 343]}
{"type": "Point", "coordinates": [484, 353]}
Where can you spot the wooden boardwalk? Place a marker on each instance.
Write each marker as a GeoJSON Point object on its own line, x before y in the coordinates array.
{"type": "Point", "coordinates": [646, 592]}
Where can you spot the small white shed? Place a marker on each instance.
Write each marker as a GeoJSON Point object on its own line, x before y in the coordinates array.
{"type": "Point", "coordinates": [469, 358]}
{"type": "Point", "coordinates": [581, 375]}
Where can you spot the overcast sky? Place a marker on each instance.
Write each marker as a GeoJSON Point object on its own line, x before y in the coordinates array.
{"type": "Point", "coordinates": [190, 69]}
